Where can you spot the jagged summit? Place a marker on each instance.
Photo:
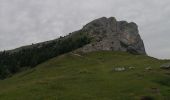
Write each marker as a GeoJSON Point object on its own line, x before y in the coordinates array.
{"type": "Point", "coordinates": [110, 34]}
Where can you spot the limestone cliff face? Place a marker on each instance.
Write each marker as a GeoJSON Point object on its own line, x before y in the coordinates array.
{"type": "Point", "coordinates": [110, 35]}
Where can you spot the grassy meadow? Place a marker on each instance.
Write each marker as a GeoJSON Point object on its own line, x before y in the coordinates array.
{"type": "Point", "coordinates": [91, 76]}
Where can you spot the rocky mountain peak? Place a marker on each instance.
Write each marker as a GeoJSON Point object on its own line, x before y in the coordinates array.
{"type": "Point", "coordinates": [112, 35]}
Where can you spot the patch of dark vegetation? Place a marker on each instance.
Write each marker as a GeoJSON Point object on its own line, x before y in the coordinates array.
{"type": "Point", "coordinates": [167, 73]}
{"type": "Point", "coordinates": [132, 50]}
{"type": "Point", "coordinates": [164, 81]}
{"type": "Point", "coordinates": [123, 44]}
{"type": "Point", "coordinates": [147, 98]}
{"type": "Point", "coordinates": [139, 75]}
{"type": "Point", "coordinates": [155, 90]}
{"type": "Point", "coordinates": [13, 62]}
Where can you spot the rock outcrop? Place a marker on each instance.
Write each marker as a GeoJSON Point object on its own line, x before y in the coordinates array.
{"type": "Point", "coordinates": [108, 34]}
{"type": "Point", "coordinates": [165, 66]}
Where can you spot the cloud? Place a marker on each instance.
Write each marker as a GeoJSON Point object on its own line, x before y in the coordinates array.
{"type": "Point", "coordinates": [24, 22]}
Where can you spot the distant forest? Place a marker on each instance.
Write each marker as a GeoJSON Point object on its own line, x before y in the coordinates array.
{"type": "Point", "coordinates": [13, 62]}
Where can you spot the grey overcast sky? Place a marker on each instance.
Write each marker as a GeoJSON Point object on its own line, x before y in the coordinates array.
{"type": "Point", "coordinates": [23, 22]}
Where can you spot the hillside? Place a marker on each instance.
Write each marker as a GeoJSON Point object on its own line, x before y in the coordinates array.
{"type": "Point", "coordinates": [103, 34]}
{"type": "Point", "coordinates": [90, 76]}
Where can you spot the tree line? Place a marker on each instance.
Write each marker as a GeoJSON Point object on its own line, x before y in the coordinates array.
{"type": "Point", "coordinates": [11, 63]}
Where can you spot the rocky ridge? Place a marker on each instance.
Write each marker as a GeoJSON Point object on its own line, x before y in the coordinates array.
{"type": "Point", "coordinates": [108, 34]}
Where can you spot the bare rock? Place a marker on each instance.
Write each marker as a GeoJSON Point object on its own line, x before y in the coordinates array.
{"type": "Point", "coordinates": [165, 66]}
{"type": "Point", "coordinates": [119, 69]}
{"type": "Point", "coordinates": [148, 68]}
{"type": "Point", "coordinates": [108, 34]}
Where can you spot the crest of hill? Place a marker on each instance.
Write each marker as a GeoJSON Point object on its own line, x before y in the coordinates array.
{"type": "Point", "coordinates": [103, 34]}
{"type": "Point", "coordinates": [106, 34]}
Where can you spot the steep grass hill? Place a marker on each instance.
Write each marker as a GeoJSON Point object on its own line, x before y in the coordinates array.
{"type": "Point", "coordinates": [91, 76]}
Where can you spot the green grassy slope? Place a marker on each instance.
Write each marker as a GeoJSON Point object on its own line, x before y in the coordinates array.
{"type": "Point", "coordinates": [90, 77]}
